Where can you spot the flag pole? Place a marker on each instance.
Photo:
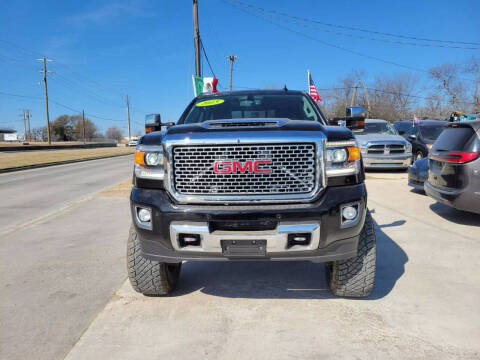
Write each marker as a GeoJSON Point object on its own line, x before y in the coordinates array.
{"type": "Point", "coordinates": [308, 80]}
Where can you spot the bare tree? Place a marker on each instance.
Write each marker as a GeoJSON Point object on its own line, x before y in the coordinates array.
{"type": "Point", "coordinates": [90, 128]}
{"type": "Point", "coordinates": [402, 87]}
{"type": "Point", "coordinates": [446, 77]}
{"type": "Point", "coordinates": [473, 67]}
{"type": "Point", "coordinates": [114, 133]}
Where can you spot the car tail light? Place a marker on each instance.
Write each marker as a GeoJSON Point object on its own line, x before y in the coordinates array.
{"type": "Point", "coordinates": [456, 157]}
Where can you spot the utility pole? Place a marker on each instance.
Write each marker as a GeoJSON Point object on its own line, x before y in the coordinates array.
{"type": "Point", "coordinates": [232, 60]}
{"type": "Point", "coordinates": [28, 114]}
{"type": "Point", "coordinates": [45, 71]}
{"type": "Point", "coordinates": [83, 121]}
{"type": "Point", "coordinates": [128, 118]}
{"type": "Point", "coordinates": [196, 34]}
{"type": "Point", "coordinates": [24, 125]}
{"type": "Point", "coordinates": [369, 109]}
{"type": "Point", "coordinates": [354, 95]}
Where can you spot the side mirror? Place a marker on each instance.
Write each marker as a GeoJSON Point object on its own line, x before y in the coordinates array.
{"type": "Point", "coordinates": [355, 117]}
{"type": "Point", "coordinates": [413, 136]}
{"type": "Point", "coordinates": [153, 123]}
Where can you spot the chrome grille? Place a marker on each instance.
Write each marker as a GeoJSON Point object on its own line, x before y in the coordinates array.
{"type": "Point", "coordinates": [293, 169]}
{"type": "Point", "coordinates": [386, 149]}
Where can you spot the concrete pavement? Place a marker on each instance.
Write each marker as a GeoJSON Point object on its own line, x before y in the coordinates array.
{"type": "Point", "coordinates": [424, 305]}
{"type": "Point", "coordinates": [33, 194]}
{"type": "Point", "coordinates": [57, 275]}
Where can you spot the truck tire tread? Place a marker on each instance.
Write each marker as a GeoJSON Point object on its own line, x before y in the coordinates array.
{"type": "Point", "coordinates": [146, 276]}
{"type": "Point", "coordinates": [355, 277]}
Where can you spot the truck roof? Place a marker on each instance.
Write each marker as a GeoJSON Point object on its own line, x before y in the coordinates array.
{"type": "Point", "coordinates": [252, 92]}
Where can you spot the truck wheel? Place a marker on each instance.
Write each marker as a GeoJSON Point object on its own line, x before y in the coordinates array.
{"type": "Point", "coordinates": [146, 276]}
{"type": "Point", "coordinates": [355, 277]}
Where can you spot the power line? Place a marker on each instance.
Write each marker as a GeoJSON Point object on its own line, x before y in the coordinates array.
{"type": "Point", "coordinates": [336, 46]}
{"type": "Point", "coordinates": [279, 13]}
{"type": "Point", "coordinates": [21, 96]}
{"type": "Point", "coordinates": [206, 57]}
{"type": "Point", "coordinates": [78, 88]}
{"type": "Point", "coordinates": [388, 41]}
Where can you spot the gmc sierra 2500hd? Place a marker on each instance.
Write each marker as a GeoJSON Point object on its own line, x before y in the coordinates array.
{"type": "Point", "coordinates": [250, 175]}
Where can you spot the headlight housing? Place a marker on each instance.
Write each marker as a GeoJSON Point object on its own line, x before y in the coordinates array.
{"type": "Point", "coordinates": [408, 147]}
{"type": "Point", "coordinates": [342, 158]}
{"type": "Point", "coordinates": [149, 163]}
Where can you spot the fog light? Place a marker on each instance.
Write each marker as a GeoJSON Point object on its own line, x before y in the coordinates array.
{"type": "Point", "coordinates": [144, 215]}
{"type": "Point", "coordinates": [298, 239]}
{"type": "Point", "coordinates": [189, 240]}
{"type": "Point", "coordinates": [349, 212]}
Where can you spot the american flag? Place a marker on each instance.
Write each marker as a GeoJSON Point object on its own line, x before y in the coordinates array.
{"type": "Point", "coordinates": [416, 121]}
{"type": "Point", "coordinates": [312, 90]}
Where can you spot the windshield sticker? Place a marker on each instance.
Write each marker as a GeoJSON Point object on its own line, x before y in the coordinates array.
{"type": "Point", "coordinates": [210, 102]}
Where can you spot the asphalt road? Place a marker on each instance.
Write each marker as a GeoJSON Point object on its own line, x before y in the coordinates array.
{"type": "Point", "coordinates": [28, 195]}
{"type": "Point", "coordinates": [58, 271]}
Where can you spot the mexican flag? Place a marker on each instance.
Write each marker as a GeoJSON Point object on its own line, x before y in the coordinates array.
{"type": "Point", "coordinates": [204, 85]}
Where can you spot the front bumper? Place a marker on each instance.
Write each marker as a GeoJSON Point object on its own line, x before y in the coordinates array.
{"type": "Point", "coordinates": [386, 161]}
{"type": "Point", "coordinates": [416, 178]}
{"type": "Point", "coordinates": [330, 238]}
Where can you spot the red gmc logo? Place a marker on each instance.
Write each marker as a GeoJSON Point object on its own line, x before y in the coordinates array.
{"type": "Point", "coordinates": [234, 166]}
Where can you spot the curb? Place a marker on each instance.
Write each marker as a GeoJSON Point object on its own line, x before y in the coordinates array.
{"type": "Point", "coordinates": [36, 166]}
{"type": "Point", "coordinates": [35, 147]}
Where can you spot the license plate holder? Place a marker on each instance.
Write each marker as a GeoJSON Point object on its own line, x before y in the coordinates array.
{"type": "Point", "coordinates": [244, 248]}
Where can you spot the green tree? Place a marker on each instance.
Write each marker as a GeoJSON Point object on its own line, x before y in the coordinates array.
{"type": "Point", "coordinates": [63, 128]}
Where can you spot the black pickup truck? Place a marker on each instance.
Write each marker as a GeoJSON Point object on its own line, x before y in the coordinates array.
{"type": "Point", "coordinates": [251, 175]}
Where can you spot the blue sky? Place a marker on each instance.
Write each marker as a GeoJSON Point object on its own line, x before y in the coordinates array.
{"type": "Point", "coordinates": [105, 49]}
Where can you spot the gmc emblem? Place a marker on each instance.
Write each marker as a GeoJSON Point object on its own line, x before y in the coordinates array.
{"type": "Point", "coordinates": [234, 166]}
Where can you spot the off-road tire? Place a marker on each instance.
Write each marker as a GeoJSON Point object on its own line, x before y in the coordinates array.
{"type": "Point", "coordinates": [419, 155]}
{"type": "Point", "coordinates": [146, 276]}
{"type": "Point", "coordinates": [355, 277]}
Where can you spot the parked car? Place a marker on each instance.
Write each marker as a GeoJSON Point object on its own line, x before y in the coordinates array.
{"type": "Point", "coordinates": [402, 126]}
{"type": "Point", "coordinates": [454, 167]}
{"type": "Point", "coordinates": [418, 174]}
{"type": "Point", "coordinates": [251, 175]}
{"type": "Point", "coordinates": [382, 146]}
{"type": "Point", "coordinates": [133, 142]}
{"type": "Point", "coordinates": [422, 136]}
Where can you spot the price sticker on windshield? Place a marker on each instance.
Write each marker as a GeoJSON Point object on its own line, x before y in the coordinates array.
{"type": "Point", "coordinates": [210, 102]}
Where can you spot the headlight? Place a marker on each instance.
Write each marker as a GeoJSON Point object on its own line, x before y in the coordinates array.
{"type": "Point", "coordinates": [149, 163]}
{"type": "Point", "coordinates": [408, 147]}
{"type": "Point", "coordinates": [342, 158]}
{"type": "Point", "coordinates": [152, 159]}
{"type": "Point", "coordinates": [338, 155]}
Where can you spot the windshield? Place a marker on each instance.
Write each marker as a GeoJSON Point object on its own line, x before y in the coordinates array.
{"type": "Point", "coordinates": [377, 128]}
{"type": "Point", "coordinates": [431, 132]}
{"type": "Point", "coordinates": [294, 107]}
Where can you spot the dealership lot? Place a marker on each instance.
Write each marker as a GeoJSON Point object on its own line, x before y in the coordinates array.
{"type": "Point", "coordinates": [424, 304]}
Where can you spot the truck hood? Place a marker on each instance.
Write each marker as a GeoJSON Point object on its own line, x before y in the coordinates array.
{"type": "Point", "coordinates": [247, 130]}
{"type": "Point", "coordinates": [379, 137]}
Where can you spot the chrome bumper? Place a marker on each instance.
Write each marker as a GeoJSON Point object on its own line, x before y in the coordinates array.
{"type": "Point", "coordinates": [210, 242]}
{"type": "Point", "coordinates": [386, 162]}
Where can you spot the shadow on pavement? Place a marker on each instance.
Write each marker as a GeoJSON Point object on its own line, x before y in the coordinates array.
{"type": "Point", "coordinates": [286, 280]}
{"type": "Point", "coordinates": [454, 215]}
{"type": "Point", "coordinates": [386, 171]}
